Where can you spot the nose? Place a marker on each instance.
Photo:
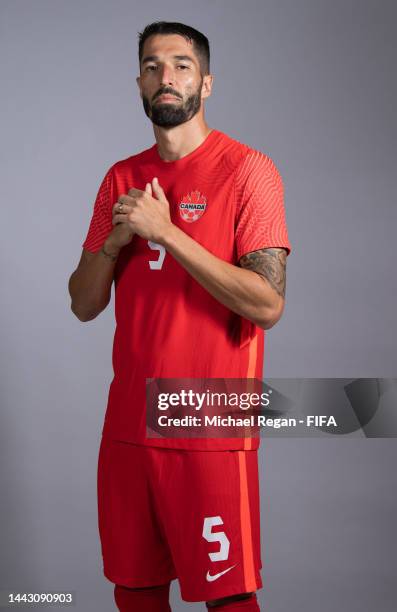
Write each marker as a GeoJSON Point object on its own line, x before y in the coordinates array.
{"type": "Point", "coordinates": [167, 75]}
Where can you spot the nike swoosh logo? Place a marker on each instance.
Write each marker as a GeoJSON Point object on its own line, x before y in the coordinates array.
{"type": "Point", "coordinates": [216, 576]}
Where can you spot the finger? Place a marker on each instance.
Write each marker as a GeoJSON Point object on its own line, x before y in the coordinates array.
{"type": "Point", "coordinates": [119, 219]}
{"type": "Point", "coordinates": [126, 199]}
{"type": "Point", "coordinates": [116, 208]}
{"type": "Point", "coordinates": [158, 190]}
{"type": "Point", "coordinates": [148, 189]}
{"type": "Point", "coordinates": [135, 192]}
{"type": "Point", "coordinates": [125, 209]}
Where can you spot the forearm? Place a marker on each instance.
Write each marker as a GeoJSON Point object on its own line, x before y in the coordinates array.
{"type": "Point", "coordinates": [242, 291]}
{"type": "Point", "coordinates": [90, 284]}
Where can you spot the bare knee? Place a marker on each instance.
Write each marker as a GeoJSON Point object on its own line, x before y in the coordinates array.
{"type": "Point", "coordinates": [225, 600]}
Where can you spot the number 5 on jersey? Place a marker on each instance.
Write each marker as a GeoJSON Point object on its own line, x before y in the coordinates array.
{"type": "Point", "coordinates": [156, 264]}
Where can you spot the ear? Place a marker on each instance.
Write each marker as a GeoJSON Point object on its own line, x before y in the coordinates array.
{"type": "Point", "coordinates": [138, 81]}
{"type": "Point", "coordinates": [206, 88]}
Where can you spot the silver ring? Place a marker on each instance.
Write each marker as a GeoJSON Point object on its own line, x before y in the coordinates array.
{"type": "Point", "coordinates": [120, 208]}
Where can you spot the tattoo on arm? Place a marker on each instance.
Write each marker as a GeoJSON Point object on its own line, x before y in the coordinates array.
{"type": "Point", "coordinates": [270, 264]}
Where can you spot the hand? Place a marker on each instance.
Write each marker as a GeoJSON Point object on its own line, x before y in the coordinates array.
{"type": "Point", "coordinates": [121, 234]}
{"type": "Point", "coordinates": [143, 214]}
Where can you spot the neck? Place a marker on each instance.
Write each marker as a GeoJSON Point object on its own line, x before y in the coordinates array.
{"type": "Point", "coordinates": [174, 143]}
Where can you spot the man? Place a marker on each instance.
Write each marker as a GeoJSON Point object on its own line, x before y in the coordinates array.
{"type": "Point", "coordinates": [193, 233]}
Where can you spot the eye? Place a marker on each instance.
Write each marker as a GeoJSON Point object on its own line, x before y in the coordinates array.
{"type": "Point", "coordinates": [182, 66]}
{"type": "Point", "coordinates": [150, 67]}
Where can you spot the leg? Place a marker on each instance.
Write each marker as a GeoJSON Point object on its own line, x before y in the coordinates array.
{"type": "Point", "coordinates": [135, 552]}
{"type": "Point", "coordinates": [243, 602]}
{"type": "Point", "coordinates": [149, 599]}
{"type": "Point", "coordinates": [210, 510]}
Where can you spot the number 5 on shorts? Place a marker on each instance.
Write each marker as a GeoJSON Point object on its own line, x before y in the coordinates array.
{"type": "Point", "coordinates": [219, 536]}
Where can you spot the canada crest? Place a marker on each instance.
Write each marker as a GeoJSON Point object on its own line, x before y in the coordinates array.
{"type": "Point", "coordinates": [192, 206]}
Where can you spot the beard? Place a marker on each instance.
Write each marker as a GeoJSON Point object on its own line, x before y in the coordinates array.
{"type": "Point", "coordinates": [169, 114]}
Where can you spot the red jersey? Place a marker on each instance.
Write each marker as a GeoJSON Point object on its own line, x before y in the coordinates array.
{"type": "Point", "coordinates": [229, 198]}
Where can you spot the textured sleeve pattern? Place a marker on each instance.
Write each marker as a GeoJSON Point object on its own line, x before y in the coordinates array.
{"type": "Point", "coordinates": [260, 214]}
{"type": "Point", "coordinates": [101, 220]}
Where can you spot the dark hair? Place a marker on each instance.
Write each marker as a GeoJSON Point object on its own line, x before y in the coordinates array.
{"type": "Point", "coordinates": [200, 42]}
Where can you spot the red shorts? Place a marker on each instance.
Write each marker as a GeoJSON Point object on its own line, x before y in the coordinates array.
{"type": "Point", "coordinates": [171, 513]}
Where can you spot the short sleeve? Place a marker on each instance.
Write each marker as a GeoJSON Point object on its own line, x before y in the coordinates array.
{"type": "Point", "coordinates": [260, 214]}
{"type": "Point", "coordinates": [101, 220]}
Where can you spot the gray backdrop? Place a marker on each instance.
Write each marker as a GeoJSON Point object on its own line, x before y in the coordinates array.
{"type": "Point", "coordinates": [312, 84]}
